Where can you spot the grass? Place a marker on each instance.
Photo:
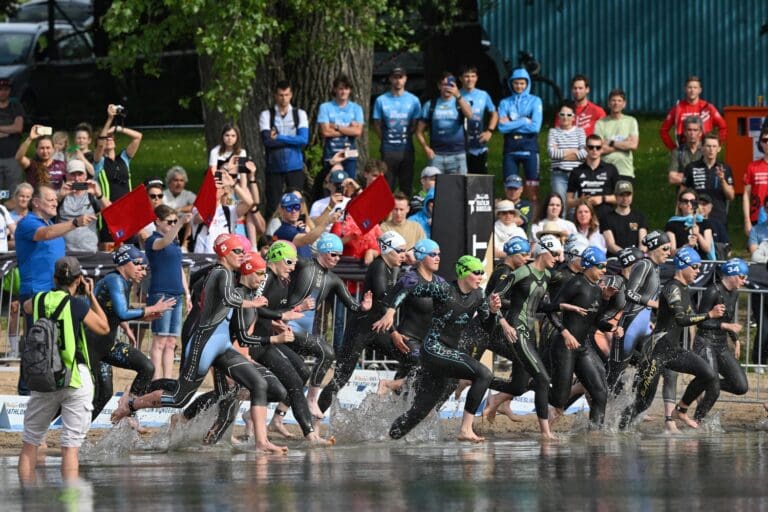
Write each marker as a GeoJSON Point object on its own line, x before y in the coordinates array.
{"type": "Point", "coordinates": [160, 149]}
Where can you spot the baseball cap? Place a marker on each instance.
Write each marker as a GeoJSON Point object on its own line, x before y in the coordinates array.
{"type": "Point", "coordinates": [289, 199]}
{"type": "Point", "coordinates": [623, 187]}
{"type": "Point", "coordinates": [338, 177]}
{"type": "Point", "coordinates": [75, 166]}
{"type": "Point", "coordinates": [513, 181]}
{"type": "Point", "coordinates": [430, 172]}
{"type": "Point", "coordinates": [398, 71]}
{"type": "Point", "coordinates": [505, 205]}
{"type": "Point", "coordinates": [67, 268]}
{"type": "Point", "coordinates": [5, 82]}
{"type": "Point", "coordinates": [705, 198]}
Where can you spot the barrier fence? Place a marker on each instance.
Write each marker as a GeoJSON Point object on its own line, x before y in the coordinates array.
{"type": "Point", "coordinates": [751, 312]}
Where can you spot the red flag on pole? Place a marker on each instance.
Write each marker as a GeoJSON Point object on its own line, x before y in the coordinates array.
{"type": "Point", "coordinates": [206, 198]}
{"type": "Point", "coordinates": [129, 214]}
{"type": "Point", "coordinates": [373, 205]}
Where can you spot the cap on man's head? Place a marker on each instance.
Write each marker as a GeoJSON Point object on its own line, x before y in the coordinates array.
{"type": "Point", "coordinates": [430, 172]}
{"type": "Point", "coordinates": [705, 198]}
{"type": "Point", "coordinates": [338, 177]}
{"type": "Point", "coordinates": [513, 181]}
{"type": "Point", "coordinates": [289, 199]}
{"type": "Point", "coordinates": [398, 71]}
{"type": "Point", "coordinates": [75, 166]}
{"type": "Point", "coordinates": [623, 187]}
{"type": "Point", "coordinates": [66, 269]}
{"type": "Point", "coordinates": [5, 82]}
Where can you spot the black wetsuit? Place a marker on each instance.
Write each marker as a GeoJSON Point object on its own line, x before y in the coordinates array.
{"type": "Point", "coordinates": [560, 276]}
{"type": "Point", "coordinates": [667, 353]}
{"type": "Point", "coordinates": [112, 292]}
{"type": "Point", "coordinates": [441, 360]}
{"type": "Point", "coordinates": [380, 278]}
{"type": "Point", "coordinates": [583, 361]}
{"type": "Point", "coordinates": [711, 343]}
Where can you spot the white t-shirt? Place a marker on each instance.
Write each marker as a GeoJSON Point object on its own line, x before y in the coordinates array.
{"type": "Point", "coordinates": [204, 241]}
{"type": "Point", "coordinates": [5, 222]}
{"type": "Point", "coordinates": [214, 157]}
{"type": "Point", "coordinates": [503, 232]}
{"type": "Point", "coordinates": [321, 204]}
{"type": "Point", "coordinates": [564, 225]}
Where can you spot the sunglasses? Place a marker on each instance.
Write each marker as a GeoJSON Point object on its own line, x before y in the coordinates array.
{"type": "Point", "coordinates": [593, 146]}
{"type": "Point", "coordinates": [171, 222]}
{"type": "Point", "coordinates": [292, 208]}
{"type": "Point", "coordinates": [238, 251]}
{"type": "Point", "coordinates": [478, 272]}
{"type": "Point", "coordinates": [666, 248]}
{"type": "Point", "coordinates": [155, 196]}
{"type": "Point", "coordinates": [565, 114]}
{"type": "Point", "coordinates": [695, 266]}
{"type": "Point", "coordinates": [764, 140]}
{"type": "Point", "coordinates": [334, 255]}
{"type": "Point", "coordinates": [687, 201]}
{"type": "Point", "coordinates": [260, 273]}
{"type": "Point", "coordinates": [601, 266]}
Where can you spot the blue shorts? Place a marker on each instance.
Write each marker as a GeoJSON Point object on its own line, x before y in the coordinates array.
{"type": "Point", "coordinates": [170, 323]}
{"type": "Point", "coordinates": [530, 164]}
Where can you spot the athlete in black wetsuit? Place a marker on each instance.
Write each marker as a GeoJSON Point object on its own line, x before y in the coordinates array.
{"type": "Point", "coordinates": [711, 341]}
{"type": "Point", "coordinates": [666, 351]}
{"type": "Point", "coordinates": [113, 292]}
{"type": "Point", "coordinates": [210, 345]}
{"type": "Point", "coordinates": [454, 304]}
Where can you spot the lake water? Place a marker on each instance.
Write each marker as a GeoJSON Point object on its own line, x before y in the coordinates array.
{"type": "Point", "coordinates": [723, 471]}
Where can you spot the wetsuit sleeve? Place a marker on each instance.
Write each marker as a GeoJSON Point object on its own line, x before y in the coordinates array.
{"type": "Point", "coordinates": [341, 292]}
{"type": "Point", "coordinates": [567, 293]}
{"type": "Point", "coordinates": [118, 293]}
{"type": "Point", "coordinates": [438, 291]}
{"type": "Point", "coordinates": [270, 314]}
{"type": "Point", "coordinates": [244, 318]}
{"type": "Point", "coordinates": [505, 283]}
{"type": "Point", "coordinates": [637, 278]}
{"type": "Point", "coordinates": [709, 299]}
{"type": "Point", "coordinates": [682, 314]}
{"type": "Point", "coordinates": [225, 281]}
{"type": "Point", "coordinates": [378, 281]}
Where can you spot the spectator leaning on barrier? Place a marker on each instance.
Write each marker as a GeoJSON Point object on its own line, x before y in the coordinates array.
{"type": "Point", "coordinates": [443, 116]}
{"type": "Point", "coordinates": [587, 113]}
{"type": "Point", "coordinates": [691, 105]}
{"type": "Point", "coordinates": [550, 219]}
{"type": "Point", "coordinates": [625, 226]}
{"type": "Point", "coordinates": [593, 180]}
{"type": "Point", "coordinates": [395, 114]}
{"type": "Point", "coordinates": [689, 228]}
{"type": "Point", "coordinates": [11, 127]}
{"type": "Point", "coordinates": [80, 196]}
{"type": "Point", "coordinates": [711, 177]}
{"type": "Point", "coordinates": [620, 134]}
{"type": "Point", "coordinates": [334, 185]}
{"type": "Point", "coordinates": [587, 225]}
{"type": "Point", "coordinates": [720, 235]}
{"type": "Point", "coordinates": [478, 133]}
{"type": "Point", "coordinates": [756, 185]}
{"type": "Point", "coordinates": [73, 401]}
{"type": "Point", "coordinates": [424, 216]}
{"type": "Point", "coordinates": [285, 133]}
{"type": "Point", "coordinates": [43, 169]}
{"type": "Point", "coordinates": [398, 222]}
{"type": "Point", "coordinates": [687, 152]}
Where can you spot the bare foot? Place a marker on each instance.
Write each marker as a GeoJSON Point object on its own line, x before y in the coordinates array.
{"type": "Point", "coordinates": [314, 440]}
{"type": "Point", "coordinates": [670, 427]}
{"type": "Point", "coordinates": [269, 447]}
{"type": "Point", "coordinates": [682, 416]}
{"type": "Point", "coordinates": [490, 409]}
{"type": "Point", "coordinates": [279, 427]}
{"type": "Point", "coordinates": [506, 410]}
{"type": "Point", "coordinates": [122, 410]}
{"type": "Point", "coordinates": [470, 437]}
{"type": "Point", "coordinates": [315, 411]}
{"type": "Point", "coordinates": [135, 425]}
{"type": "Point", "coordinates": [177, 420]}
{"type": "Point", "coordinates": [548, 437]}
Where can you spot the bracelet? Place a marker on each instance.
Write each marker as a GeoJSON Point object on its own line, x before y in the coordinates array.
{"type": "Point", "coordinates": [253, 181]}
{"type": "Point", "coordinates": [255, 208]}
{"type": "Point", "coordinates": [100, 197]}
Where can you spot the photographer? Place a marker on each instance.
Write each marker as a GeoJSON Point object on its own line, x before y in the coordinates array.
{"type": "Point", "coordinates": [80, 196]}
{"type": "Point", "coordinates": [293, 228]}
{"type": "Point", "coordinates": [333, 184]}
{"type": "Point", "coordinates": [73, 401]}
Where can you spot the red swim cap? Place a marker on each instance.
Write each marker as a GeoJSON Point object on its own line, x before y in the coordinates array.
{"type": "Point", "coordinates": [253, 263]}
{"type": "Point", "coordinates": [225, 243]}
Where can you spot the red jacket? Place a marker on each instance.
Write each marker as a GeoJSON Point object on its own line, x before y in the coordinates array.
{"type": "Point", "coordinates": [709, 115]}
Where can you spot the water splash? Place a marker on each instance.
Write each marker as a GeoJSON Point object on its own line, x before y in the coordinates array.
{"type": "Point", "coordinates": [618, 403]}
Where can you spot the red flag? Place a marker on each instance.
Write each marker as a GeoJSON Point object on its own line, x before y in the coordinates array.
{"type": "Point", "coordinates": [206, 198]}
{"type": "Point", "coordinates": [373, 205]}
{"type": "Point", "coordinates": [129, 214]}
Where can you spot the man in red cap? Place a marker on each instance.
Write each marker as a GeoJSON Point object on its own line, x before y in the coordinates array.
{"type": "Point", "coordinates": [209, 345]}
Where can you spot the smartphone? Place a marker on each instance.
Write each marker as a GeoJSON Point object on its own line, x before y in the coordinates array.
{"type": "Point", "coordinates": [44, 130]}
{"type": "Point", "coordinates": [451, 80]}
{"type": "Point", "coordinates": [217, 175]}
{"type": "Point", "coordinates": [351, 153]}
{"type": "Point", "coordinates": [79, 185]}
{"type": "Point", "coordinates": [303, 218]}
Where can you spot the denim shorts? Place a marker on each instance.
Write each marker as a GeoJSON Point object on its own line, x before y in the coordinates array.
{"type": "Point", "coordinates": [450, 163]}
{"type": "Point", "coordinates": [170, 323]}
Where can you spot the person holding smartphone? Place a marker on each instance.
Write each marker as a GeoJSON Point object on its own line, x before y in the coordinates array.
{"type": "Point", "coordinates": [43, 168]}
{"type": "Point", "coordinates": [80, 196]}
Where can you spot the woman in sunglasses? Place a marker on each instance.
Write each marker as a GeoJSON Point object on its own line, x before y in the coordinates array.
{"type": "Point", "coordinates": [567, 147]}
{"type": "Point", "coordinates": [442, 362]}
{"type": "Point", "coordinates": [688, 228]}
{"type": "Point", "coordinates": [667, 353]}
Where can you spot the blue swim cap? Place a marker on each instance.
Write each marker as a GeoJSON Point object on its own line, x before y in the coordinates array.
{"type": "Point", "coordinates": [517, 245]}
{"type": "Point", "coordinates": [686, 257]}
{"type": "Point", "coordinates": [734, 267]}
{"type": "Point", "coordinates": [592, 256]}
{"type": "Point", "coordinates": [127, 253]}
{"type": "Point", "coordinates": [424, 247]}
{"type": "Point", "coordinates": [328, 242]}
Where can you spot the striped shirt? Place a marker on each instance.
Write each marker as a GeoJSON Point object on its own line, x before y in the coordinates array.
{"type": "Point", "coordinates": [559, 141]}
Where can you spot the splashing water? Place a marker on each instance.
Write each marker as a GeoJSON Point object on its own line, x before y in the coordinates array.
{"type": "Point", "coordinates": [618, 403]}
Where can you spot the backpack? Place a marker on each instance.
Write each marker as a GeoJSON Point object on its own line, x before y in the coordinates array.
{"type": "Point", "coordinates": [192, 240]}
{"type": "Point", "coordinates": [272, 126]}
{"type": "Point", "coordinates": [41, 365]}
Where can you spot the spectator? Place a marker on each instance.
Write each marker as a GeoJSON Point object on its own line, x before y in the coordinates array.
{"type": "Point", "coordinates": [60, 143]}
{"type": "Point", "coordinates": [113, 171]}
{"type": "Point", "coordinates": [587, 225]}
{"type": "Point", "coordinates": [275, 221]}
{"type": "Point", "coordinates": [429, 178]}
{"type": "Point", "coordinates": [74, 400]}
{"type": "Point", "coordinates": [587, 113]}
{"type": "Point", "coordinates": [711, 177]}
{"type": "Point", "coordinates": [478, 133]}
{"type": "Point", "coordinates": [692, 105]}
{"type": "Point", "coordinates": [719, 232]}
{"type": "Point", "coordinates": [225, 216]}
{"type": "Point", "coordinates": [21, 198]}
{"type": "Point", "coordinates": [228, 149]}
{"type": "Point", "coordinates": [551, 214]}
{"type": "Point", "coordinates": [7, 227]}
{"type": "Point", "coordinates": [285, 133]}
{"type": "Point", "coordinates": [690, 228]}
{"type": "Point", "coordinates": [623, 227]}
{"type": "Point", "coordinates": [175, 194]}
{"type": "Point", "coordinates": [83, 140]}
{"type": "Point", "coordinates": [341, 122]}
{"type": "Point", "coordinates": [334, 184]}
{"type": "Point", "coordinates": [520, 117]}
{"type": "Point", "coordinates": [410, 230]}
{"type": "Point", "coordinates": [372, 170]}
{"type": "Point", "coordinates": [756, 183]}
{"type": "Point", "coordinates": [11, 127]}
{"type": "Point", "coordinates": [506, 226]}
{"type": "Point", "coordinates": [594, 180]}
{"type": "Point", "coordinates": [513, 190]}
{"type": "Point", "coordinates": [424, 216]}
{"type": "Point", "coordinates": [444, 117]}
{"type": "Point", "coordinates": [295, 230]}
{"type": "Point", "coordinates": [43, 169]}
{"type": "Point", "coordinates": [566, 146]}
{"type": "Point", "coordinates": [154, 188]}
{"type": "Point", "coordinates": [687, 152]}
{"type": "Point", "coordinates": [166, 281]}
{"type": "Point", "coordinates": [395, 114]}
{"type": "Point", "coordinates": [757, 243]}
{"type": "Point", "coordinates": [358, 245]}
{"type": "Point", "coordinates": [620, 134]}
{"type": "Point", "coordinates": [80, 196]}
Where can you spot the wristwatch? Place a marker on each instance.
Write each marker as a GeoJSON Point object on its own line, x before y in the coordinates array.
{"type": "Point", "coordinates": [610, 143]}
{"type": "Point", "coordinates": [74, 222]}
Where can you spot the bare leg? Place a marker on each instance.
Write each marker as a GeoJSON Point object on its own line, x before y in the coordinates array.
{"type": "Point", "coordinates": [27, 462]}
{"type": "Point", "coordinates": [681, 412]}
{"type": "Point", "coordinates": [156, 355]}
{"type": "Point", "coordinates": [546, 433]}
{"type": "Point", "coordinates": [276, 425]}
{"type": "Point", "coordinates": [669, 422]}
{"type": "Point", "coordinates": [169, 353]}
{"type": "Point", "coordinates": [259, 418]}
{"type": "Point", "coordinates": [70, 467]}
{"type": "Point", "coordinates": [312, 395]}
{"type": "Point", "coordinates": [467, 433]}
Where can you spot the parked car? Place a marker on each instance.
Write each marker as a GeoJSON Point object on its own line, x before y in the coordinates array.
{"type": "Point", "coordinates": [77, 12]}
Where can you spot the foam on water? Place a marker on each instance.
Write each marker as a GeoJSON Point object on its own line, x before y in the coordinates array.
{"type": "Point", "coordinates": [618, 403]}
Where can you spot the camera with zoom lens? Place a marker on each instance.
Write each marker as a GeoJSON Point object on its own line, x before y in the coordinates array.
{"type": "Point", "coordinates": [120, 110]}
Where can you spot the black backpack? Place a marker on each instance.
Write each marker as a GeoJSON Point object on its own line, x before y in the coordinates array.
{"type": "Point", "coordinates": [41, 366]}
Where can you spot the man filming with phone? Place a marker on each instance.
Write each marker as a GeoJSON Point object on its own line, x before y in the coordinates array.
{"type": "Point", "coordinates": [294, 229]}
{"type": "Point", "coordinates": [80, 196]}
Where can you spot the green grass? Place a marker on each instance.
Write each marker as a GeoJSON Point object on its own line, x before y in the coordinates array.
{"type": "Point", "coordinates": [161, 149]}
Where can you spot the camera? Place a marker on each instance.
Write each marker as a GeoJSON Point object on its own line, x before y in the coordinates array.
{"type": "Point", "coordinates": [120, 110]}
{"type": "Point", "coordinates": [81, 289]}
{"type": "Point", "coordinates": [79, 185]}
{"type": "Point", "coordinates": [217, 175]}
{"type": "Point", "coordinates": [5, 194]}
{"type": "Point", "coordinates": [241, 168]}
{"type": "Point", "coordinates": [339, 188]}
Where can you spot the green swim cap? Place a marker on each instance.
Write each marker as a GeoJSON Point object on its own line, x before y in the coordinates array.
{"type": "Point", "coordinates": [468, 264]}
{"type": "Point", "coordinates": [281, 250]}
